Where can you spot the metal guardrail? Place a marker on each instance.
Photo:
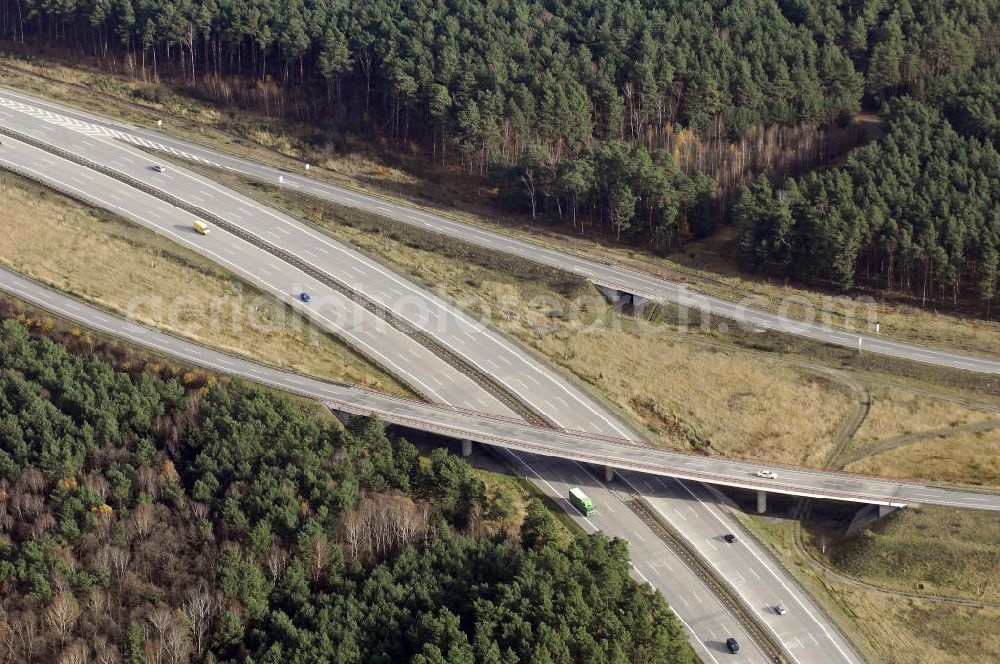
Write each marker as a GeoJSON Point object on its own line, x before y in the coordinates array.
{"type": "Point", "coordinates": [719, 587]}
{"type": "Point", "coordinates": [540, 423]}
{"type": "Point", "coordinates": [483, 379]}
{"type": "Point", "coordinates": [452, 431]}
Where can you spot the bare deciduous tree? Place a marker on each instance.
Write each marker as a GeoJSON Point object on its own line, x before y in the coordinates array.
{"type": "Point", "coordinates": [178, 645]}
{"type": "Point", "coordinates": [198, 510]}
{"type": "Point", "coordinates": [199, 611]}
{"type": "Point", "coordinates": [319, 558]}
{"type": "Point", "coordinates": [8, 642]}
{"type": "Point", "coordinates": [141, 520]}
{"type": "Point", "coordinates": [76, 653]}
{"type": "Point", "coordinates": [96, 483]}
{"type": "Point", "coordinates": [114, 559]}
{"type": "Point", "coordinates": [32, 480]}
{"type": "Point", "coordinates": [61, 616]}
{"type": "Point", "coordinates": [106, 653]}
{"type": "Point", "coordinates": [25, 626]}
{"type": "Point", "coordinates": [98, 602]}
{"type": "Point", "coordinates": [353, 532]}
{"type": "Point", "coordinates": [162, 619]}
{"type": "Point", "coordinates": [277, 560]}
{"type": "Point", "coordinates": [150, 482]}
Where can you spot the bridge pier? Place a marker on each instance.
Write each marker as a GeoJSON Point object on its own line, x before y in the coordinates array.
{"type": "Point", "coordinates": [885, 510]}
{"type": "Point", "coordinates": [466, 447]}
{"type": "Point", "coordinates": [761, 501]}
{"type": "Point", "coordinates": [609, 474]}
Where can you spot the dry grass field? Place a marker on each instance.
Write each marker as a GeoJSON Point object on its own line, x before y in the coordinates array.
{"type": "Point", "coordinates": [687, 391]}
{"type": "Point", "coordinates": [897, 411]}
{"type": "Point", "coordinates": [707, 265]}
{"type": "Point", "coordinates": [128, 269]}
{"type": "Point", "coordinates": [967, 457]}
{"type": "Point", "coordinates": [903, 631]}
{"type": "Point", "coordinates": [929, 551]}
{"type": "Point", "coordinates": [909, 434]}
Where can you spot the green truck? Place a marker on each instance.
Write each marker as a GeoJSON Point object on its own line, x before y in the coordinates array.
{"type": "Point", "coordinates": [581, 501]}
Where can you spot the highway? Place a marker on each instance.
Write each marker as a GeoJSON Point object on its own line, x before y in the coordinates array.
{"type": "Point", "coordinates": [409, 359]}
{"type": "Point", "coordinates": [552, 395]}
{"type": "Point", "coordinates": [442, 383]}
{"type": "Point", "coordinates": [174, 223]}
{"type": "Point", "coordinates": [605, 274]}
{"type": "Point", "coordinates": [558, 399]}
{"type": "Point", "coordinates": [329, 309]}
{"type": "Point", "coordinates": [707, 616]}
{"type": "Point", "coordinates": [707, 620]}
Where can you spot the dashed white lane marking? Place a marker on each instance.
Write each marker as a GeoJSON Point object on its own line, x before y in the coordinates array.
{"type": "Point", "coordinates": [55, 120]}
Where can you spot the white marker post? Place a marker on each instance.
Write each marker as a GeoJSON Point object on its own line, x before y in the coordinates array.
{"type": "Point", "coordinates": [159, 123]}
{"type": "Point", "coordinates": [307, 168]}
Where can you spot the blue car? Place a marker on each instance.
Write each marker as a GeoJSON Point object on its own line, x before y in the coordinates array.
{"type": "Point", "coordinates": [304, 297]}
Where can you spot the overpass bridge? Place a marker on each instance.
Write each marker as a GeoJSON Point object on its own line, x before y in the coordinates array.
{"type": "Point", "coordinates": [508, 432]}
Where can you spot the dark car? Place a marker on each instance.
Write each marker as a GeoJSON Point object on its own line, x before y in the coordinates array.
{"type": "Point", "coordinates": [304, 297]}
{"type": "Point", "coordinates": [729, 538]}
{"type": "Point", "coordinates": [733, 645]}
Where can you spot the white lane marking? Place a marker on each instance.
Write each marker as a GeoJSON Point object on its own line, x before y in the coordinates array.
{"type": "Point", "coordinates": [187, 241]}
{"type": "Point", "coordinates": [684, 622]}
{"type": "Point", "coordinates": [781, 581]}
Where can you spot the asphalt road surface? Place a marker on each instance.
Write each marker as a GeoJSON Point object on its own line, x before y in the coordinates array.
{"type": "Point", "coordinates": [707, 620]}
{"type": "Point", "coordinates": [379, 283]}
{"type": "Point", "coordinates": [548, 392]}
{"type": "Point", "coordinates": [408, 359]}
{"type": "Point", "coordinates": [609, 275]}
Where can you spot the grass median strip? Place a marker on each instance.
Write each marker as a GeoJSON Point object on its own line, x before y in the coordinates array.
{"type": "Point", "coordinates": [686, 393]}
{"type": "Point", "coordinates": [708, 265]}
{"type": "Point", "coordinates": [130, 270]}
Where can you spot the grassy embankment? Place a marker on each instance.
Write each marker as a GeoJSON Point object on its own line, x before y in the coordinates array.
{"type": "Point", "coordinates": [127, 269]}
{"type": "Point", "coordinates": [687, 389]}
{"type": "Point", "coordinates": [707, 265]}
{"type": "Point", "coordinates": [737, 392]}
{"type": "Point", "coordinates": [928, 438]}
{"type": "Point", "coordinates": [934, 552]}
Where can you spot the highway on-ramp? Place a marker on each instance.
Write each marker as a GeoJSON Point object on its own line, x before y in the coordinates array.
{"type": "Point", "coordinates": [708, 621]}
{"type": "Point", "coordinates": [556, 398]}
{"type": "Point", "coordinates": [595, 438]}
{"type": "Point", "coordinates": [605, 274]}
{"type": "Point", "coordinates": [704, 617]}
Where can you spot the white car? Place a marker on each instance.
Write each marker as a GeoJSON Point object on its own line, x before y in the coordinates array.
{"type": "Point", "coordinates": [780, 608]}
{"type": "Point", "coordinates": [767, 474]}
{"type": "Point", "coordinates": [159, 168]}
